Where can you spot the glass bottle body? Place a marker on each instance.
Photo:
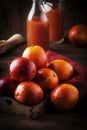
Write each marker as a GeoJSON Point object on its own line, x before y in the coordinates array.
{"type": "Point", "coordinates": [55, 12]}
{"type": "Point", "coordinates": [37, 26]}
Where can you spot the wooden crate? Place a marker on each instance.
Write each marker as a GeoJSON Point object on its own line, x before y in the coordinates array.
{"type": "Point", "coordinates": [11, 106]}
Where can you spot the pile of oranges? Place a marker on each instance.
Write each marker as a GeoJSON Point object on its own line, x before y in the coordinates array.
{"type": "Point", "coordinates": [35, 76]}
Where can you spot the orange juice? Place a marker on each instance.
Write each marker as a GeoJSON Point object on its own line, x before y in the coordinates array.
{"type": "Point", "coordinates": [56, 29]}
{"type": "Point", "coordinates": [38, 32]}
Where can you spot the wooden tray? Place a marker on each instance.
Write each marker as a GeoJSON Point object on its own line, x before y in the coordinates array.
{"type": "Point", "coordinates": [11, 106]}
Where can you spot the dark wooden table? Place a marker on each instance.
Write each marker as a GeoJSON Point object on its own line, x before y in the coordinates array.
{"type": "Point", "coordinates": [51, 119]}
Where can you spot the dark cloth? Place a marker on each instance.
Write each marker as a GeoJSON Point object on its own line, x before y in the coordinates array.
{"type": "Point", "coordinates": [79, 78]}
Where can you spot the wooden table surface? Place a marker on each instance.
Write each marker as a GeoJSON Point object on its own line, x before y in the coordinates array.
{"type": "Point", "coordinates": [51, 119]}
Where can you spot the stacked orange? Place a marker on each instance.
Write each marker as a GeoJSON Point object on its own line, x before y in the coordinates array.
{"type": "Point", "coordinates": [36, 76]}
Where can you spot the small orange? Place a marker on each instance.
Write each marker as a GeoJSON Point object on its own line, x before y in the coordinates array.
{"type": "Point", "coordinates": [63, 69]}
{"type": "Point", "coordinates": [64, 96]}
{"type": "Point", "coordinates": [78, 35]}
{"type": "Point", "coordinates": [22, 69]}
{"type": "Point", "coordinates": [37, 54]}
{"type": "Point", "coordinates": [47, 79]}
{"type": "Point", "coordinates": [28, 93]}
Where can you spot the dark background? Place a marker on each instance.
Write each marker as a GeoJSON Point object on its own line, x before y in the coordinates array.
{"type": "Point", "coordinates": [13, 15]}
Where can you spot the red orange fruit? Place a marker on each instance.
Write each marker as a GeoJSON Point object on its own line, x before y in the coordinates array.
{"type": "Point", "coordinates": [64, 96]}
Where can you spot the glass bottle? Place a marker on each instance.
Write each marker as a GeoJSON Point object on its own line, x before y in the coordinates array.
{"type": "Point", "coordinates": [55, 11]}
{"type": "Point", "coordinates": [37, 26]}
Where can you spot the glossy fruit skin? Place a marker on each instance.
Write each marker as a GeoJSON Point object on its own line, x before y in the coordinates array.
{"type": "Point", "coordinates": [47, 79]}
{"type": "Point", "coordinates": [28, 93]}
{"type": "Point", "coordinates": [63, 69]}
{"type": "Point", "coordinates": [64, 97]}
{"type": "Point", "coordinates": [22, 69]}
{"type": "Point", "coordinates": [78, 35]}
{"type": "Point", "coordinates": [7, 86]}
{"type": "Point", "coordinates": [37, 54]}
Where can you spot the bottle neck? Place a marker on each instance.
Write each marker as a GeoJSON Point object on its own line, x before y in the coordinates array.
{"type": "Point", "coordinates": [37, 11]}
{"type": "Point", "coordinates": [37, 8]}
{"type": "Point", "coordinates": [52, 4]}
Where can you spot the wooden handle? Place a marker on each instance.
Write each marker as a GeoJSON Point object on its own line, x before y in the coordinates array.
{"type": "Point", "coordinates": [15, 39]}
{"type": "Point", "coordinates": [11, 42]}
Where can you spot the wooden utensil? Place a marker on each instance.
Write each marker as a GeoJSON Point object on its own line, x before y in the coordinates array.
{"type": "Point", "coordinates": [11, 42]}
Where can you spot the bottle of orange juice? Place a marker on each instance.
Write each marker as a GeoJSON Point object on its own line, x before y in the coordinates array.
{"type": "Point", "coordinates": [37, 26]}
{"type": "Point", "coordinates": [55, 11]}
